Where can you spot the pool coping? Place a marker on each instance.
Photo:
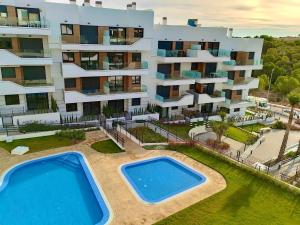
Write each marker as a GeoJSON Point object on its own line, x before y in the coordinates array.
{"type": "Point", "coordinates": [93, 182]}
{"type": "Point", "coordinates": [169, 198]}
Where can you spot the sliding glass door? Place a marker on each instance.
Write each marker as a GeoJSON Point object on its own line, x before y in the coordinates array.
{"type": "Point", "coordinates": [28, 17]}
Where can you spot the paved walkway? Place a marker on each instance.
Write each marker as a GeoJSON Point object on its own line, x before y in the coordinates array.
{"type": "Point", "coordinates": [269, 149]}
{"type": "Point", "coordinates": [126, 208]}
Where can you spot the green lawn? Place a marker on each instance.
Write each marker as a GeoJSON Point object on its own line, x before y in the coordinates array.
{"type": "Point", "coordinates": [240, 135]}
{"type": "Point", "coordinates": [253, 127]}
{"type": "Point", "coordinates": [38, 144]}
{"type": "Point", "coordinates": [146, 135]}
{"type": "Point", "coordinates": [180, 130]}
{"type": "Point", "coordinates": [106, 147]}
{"type": "Point", "coordinates": [248, 199]}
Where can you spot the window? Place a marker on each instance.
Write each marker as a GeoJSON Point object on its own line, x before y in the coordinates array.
{"type": "Point", "coordinates": [72, 107]}
{"type": "Point", "coordinates": [116, 83]}
{"type": "Point", "coordinates": [89, 60]}
{"type": "Point", "coordinates": [37, 101]}
{"type": "Point", "coordinates": [28, 17]}
{"type": "Point", "coordinates": [179, 45]}
{"type": "Point", "coordinates": [136, 102]}
{"type": "Point", "coordinates": [12, 100]}
{"type": "Point", "coordinates": [117, 35]}
{"type": "Point", "coordinates": [5, 43]}
{"type": "Point", "coordinates": [3, 11]}
{"type": "Point", "coordinates": [251, 55]}
{"type": "Point", "coordinates": [136, 80]}
{"type": "Point", "coordinates": [138, 32]}
{"type": "Point", "coordinates": [175, 87]}
{"type": "Point", "coordinates": [68, 56]}
{"type": "Point", "coordinates": [231, 75]}
{"type": "Point", "coordinates": [177, 67]}
{"type": "Point", "coordinates": [8, 72]}
{"type": "Point", "coordinates": [66, 29]}
{"type": "Point", "coordinates": [116, 60]}
{"type": "Point", "coordinates": [242, 73]}
{"type": "Point", "coordinates": [174, 107]}
{"type": "Point", "coordinates": [239, 92]}
{"type": "Point", "coordinates": [136, 57]}
{"type": "Point", "coordinates": [34, 73]}
{"type": "Point", "coordinates": [194, 66]}
{"type": "Point", "coordinates": [70, 83]}
{"type": "Point", "coordinates": [236, 109]}
{"type": "Point", "coordinates": [88, 34]}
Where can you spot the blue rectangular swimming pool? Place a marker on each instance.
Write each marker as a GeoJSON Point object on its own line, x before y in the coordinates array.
{"type": "Point", "coordinates": [158, 179]}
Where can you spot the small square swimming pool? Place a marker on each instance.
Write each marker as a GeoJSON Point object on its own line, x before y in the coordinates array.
{"type": "Point", "coordinates": [157, 179]}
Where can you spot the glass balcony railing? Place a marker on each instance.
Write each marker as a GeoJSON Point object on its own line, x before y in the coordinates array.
{"type": "Point", "coordinates": [124, 66]}
{"type": "Point", "coordinates": [171, 99]}
{"type": "Point", "coordinates": [15, 22]}
{"type": "Point", "coordinates": [31, 53]}
{"type": "Point", "coordinates": [245, 63]}
{"type": "Point", "coordinates": [191, 74]}
{"type": "Point", "coordinates": [171, 53]}
{"type": "Point", "coordinates": [32, 83]}
{"type": "Point", "coordinates": [162, 76]}
{"type": "Point", "coordinates": [219, 52]}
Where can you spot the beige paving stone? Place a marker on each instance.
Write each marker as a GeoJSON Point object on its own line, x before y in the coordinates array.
{"type": "Point", "coordinates": [127, 209]}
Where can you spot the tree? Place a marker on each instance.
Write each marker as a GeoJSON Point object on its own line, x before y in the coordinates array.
{"type": "Point", "coordinates": [294, 99]}
{"type": "Point", "coordinates": [220, 127]}
{"type": "Point", "coordinates": [263, 82]}
{"type": "Point", "coordinates": [286, 84]}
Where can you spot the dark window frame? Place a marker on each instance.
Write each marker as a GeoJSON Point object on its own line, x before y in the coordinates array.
{"type": "Point", "coordinates": [9, 76]}
{"type": "Point", "coordinates": [15, 99]}
{"type": "Point", "coordinates": [3, 10]}
{"type": "Point", "coordinates": [70, 26]}
{"type": "Point", "coordinates": [70, 83]}
{"type": "Point", "coordinates": [71, 107]}
{"type": "Point", "coordinates": [68, 57]}
{"type": "Point", "coordinates": [138, 33]}
{"type": "Point", "coordinates": [135, 101]}
{"type": "Point", "coordinates": [136, 80]}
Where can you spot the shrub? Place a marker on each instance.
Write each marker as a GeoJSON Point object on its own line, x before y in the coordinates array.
{"type": "Point", "coordinates": [72, 134]}
{"type": "Point", "coordinates": [36, 127]}
{"type": "Point", "coordinates": [278, 125]}
{"type": "Point", "coordinates": [215, 144]}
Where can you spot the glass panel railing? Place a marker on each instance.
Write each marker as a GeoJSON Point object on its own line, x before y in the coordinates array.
{"type": "Point", "coordinates": [171, 53]}
{"type": "Point", "coordinates": [123, 66]}
{"type": "Point", "coordinates": [230, 63]}
{"type": "Point", "coordinates": [219, 52]}
{"type": "Point", "coordinates": [162, 76]}
{"type": "Point", "coordinates": [191, 74]}
{"type": "Point", "coordinates": [172, 99]}
{"type": "Point", "coordinates": [14, 22]}
{"type": "Point", "coordinates": [31, 53]}
{"type": "Point", "coordinates": [31, 83]}
{"type": "Point", "coordinates": [244, 63]}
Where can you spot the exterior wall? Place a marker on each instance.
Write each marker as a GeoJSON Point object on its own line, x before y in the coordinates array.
{"type": "Point", "coordinates": [58, 13]}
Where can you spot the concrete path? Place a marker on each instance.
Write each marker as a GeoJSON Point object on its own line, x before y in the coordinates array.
{"type": "Point", "coordinates": [269, 149]}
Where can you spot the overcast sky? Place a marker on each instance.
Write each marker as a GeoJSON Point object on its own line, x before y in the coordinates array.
{"type": "Point", "coordinates": [248, 17]}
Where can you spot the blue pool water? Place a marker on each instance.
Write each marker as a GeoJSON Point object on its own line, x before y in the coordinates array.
{"type": "Point", "coordinates": [58, 190]}
{"type": "Point", "coordinates": [160, 178]}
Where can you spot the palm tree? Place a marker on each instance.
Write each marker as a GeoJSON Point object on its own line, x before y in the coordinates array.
{"type": "Point", "coordinates": [220, 127]}
{"type": "Point", "coordinates": [294, 99]}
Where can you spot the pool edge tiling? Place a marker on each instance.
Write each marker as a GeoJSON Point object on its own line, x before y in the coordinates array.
{"type": "Point", "coordinates": [173, 194]}
{"type": "Point", "coordinates": [95, 186]}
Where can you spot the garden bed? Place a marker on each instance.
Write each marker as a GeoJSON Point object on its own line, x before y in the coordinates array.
{"type": "Point", "coordinates": [240, 135]}
{"type": "Point", "coordinates": [146, 135]}
{"type": "Point", "coordinates": [106, 147]}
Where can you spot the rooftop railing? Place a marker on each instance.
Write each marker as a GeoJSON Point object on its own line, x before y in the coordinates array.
{"type": "Point", "coordinates": [15, 22]}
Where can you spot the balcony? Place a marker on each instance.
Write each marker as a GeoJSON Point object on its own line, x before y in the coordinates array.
{"type": "Point", "coordinates": [203, 98]}
{"type": "Point", "coordinates": [71, 70]}
{"type": "Point", "coordinates": [28, 87]}
{"type": "Point", "coordinates": [195, 54]}
{"type": "Point", "coordinates": [11, 25]}
{"type": "Point", "coordinates": [237, 103]}
{"type": "Point", "coordinates": [249, 65]}
{"type": "Point", "coordinates": [215, 77]}
{"type": "Point", "coordinates": [109, 44]}
{"type": "Point", "coordinates": [183, 100]}
{"type": "Point", "coordinates": [109, 93]}
{"type": "Point", "coordinates": [248, 83]}
{"type": "Point", "coordinates": [25, 57]}
{"type": "Point", "coordinates": [167, 80]}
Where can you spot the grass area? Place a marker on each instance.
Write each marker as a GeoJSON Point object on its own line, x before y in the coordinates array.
{"type": "Point", "coordinates": [249, 198]}
{"type": "Point", "coordinates": [146, 135]}
{"type": "Point", "coordinates": [253, 127]}
{"type": "Point", "coordinates": [156, 147]}
{"type": "Point", "coordinates": [38, 144]}
{"type": "Point", "coordinates": [106, 147]}
{"type": "Point", "coordinates": [180, 130]}
{"type": "Point", "coordinates": [240, 135]}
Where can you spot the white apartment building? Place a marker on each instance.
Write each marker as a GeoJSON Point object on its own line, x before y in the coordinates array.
{"type": "Point", "coordinates": [69, 60]}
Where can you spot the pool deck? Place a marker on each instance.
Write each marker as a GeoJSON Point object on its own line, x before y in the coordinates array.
{"type": "Point", "coordinates": [126, 208]}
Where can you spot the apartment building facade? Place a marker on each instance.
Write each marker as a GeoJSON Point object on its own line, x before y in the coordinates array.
{"type": "Point", "coordinates": [69, 60]}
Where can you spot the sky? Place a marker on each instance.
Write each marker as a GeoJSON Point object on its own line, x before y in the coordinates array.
{"type": "Point", "coordinates": [247, 17]}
